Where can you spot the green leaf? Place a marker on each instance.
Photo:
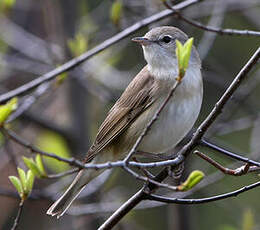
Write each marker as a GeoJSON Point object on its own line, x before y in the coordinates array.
{"type": "Point", "coordinates": [22, 176]}
{"type": "Point", "coordinates": [7, 109]}
{"type": "Point", "coordinates": [116, 12]}
{"type": "Point", "coordinates": [17, 184]}
{"type": "Point", "coordinates": [61, 78]}
{"type": "Point", "coordinates": [78, 45]}
{"type": "Point", "coordinates": [187, 51]}
{"type": "Point", "coordinates": [248, 220]}
{"type": "Point", "coordinates": [29, 182]}
{"type": "Point", "coordinates": [3, 47]}
{"type": "Point", "coordinates": [183, 56]}
{"type": "Point", "coordinates": [194, 178]}
{"type": "Point", "coordinates": [54, 143]}
{"type": "Point", "coordinates": [227, 227]}
{"type": "Point", "coordinates": [40, 166]}
{"type": "Point", "coordinates": [9, 3]}
{"type": "Point", "coordinates": [32, 165]}
{"type": "Point", "coordinates": [178, 51]}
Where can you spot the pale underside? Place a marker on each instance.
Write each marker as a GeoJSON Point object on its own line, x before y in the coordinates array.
{"type": "Point", "coordinates": [135, 108]}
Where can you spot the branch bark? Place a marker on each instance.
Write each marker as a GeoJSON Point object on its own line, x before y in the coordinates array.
{"type": "Point", "coordinates": [104, 45]}
{"type": "Point", "coordinates": [186, 150]}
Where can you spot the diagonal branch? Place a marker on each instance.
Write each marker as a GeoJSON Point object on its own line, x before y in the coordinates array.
{"type": "Point", "coordinates": [117, 164]}
{"type": "Point", "coordinates": [186, 150]}
{"type": "Point", "coordinates": [210, 28]}
{"type": "Point", "coordinates": [201, 200]}
{"type": "Point", "coordinates": [104, 45]}
{"type": "Point", "coordinates": [234, 172]}
{"type": "Point", "coordinates": [225, 152]}
{"type": "Point", "coordinates": [18, 216]}
{"type": "Point", "coordinates": [152, 121]}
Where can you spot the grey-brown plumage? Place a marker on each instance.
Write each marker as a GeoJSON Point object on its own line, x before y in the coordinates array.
{"type": "Point", "coordinates": [137, 105]}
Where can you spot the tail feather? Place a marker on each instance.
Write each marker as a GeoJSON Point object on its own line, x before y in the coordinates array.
{"type": "Point", "coordinates": [64, 202]}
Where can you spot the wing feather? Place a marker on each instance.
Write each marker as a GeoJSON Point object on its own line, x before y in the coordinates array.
{"type": "Point", "coordinates": [135, 100]}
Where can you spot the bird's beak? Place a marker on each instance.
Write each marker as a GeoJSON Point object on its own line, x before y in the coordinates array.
{"type": "Point", "coordinates": [142, 41]}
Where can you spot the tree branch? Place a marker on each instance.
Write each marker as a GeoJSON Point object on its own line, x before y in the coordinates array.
{"type": "Point", "coordinates": [18, 216]}
{"type": "Point", "coordinates": [230, 154]}
{"type": "Point", "coordinates": [234, 172]}
{"type": "Point", "coordinates": [151, 122]}
{"type": "Point", "coordinates": [201, 200]}
{"type": "Point", "coordinates": [213, 29]}
{"type": "Point", "coordinates": [104, 45]}
{"type": "Point", "coordinates": [185, 151]}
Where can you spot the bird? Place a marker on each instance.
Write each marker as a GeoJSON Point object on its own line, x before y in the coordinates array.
{"type": "Point", "coordinates": [137, 105]}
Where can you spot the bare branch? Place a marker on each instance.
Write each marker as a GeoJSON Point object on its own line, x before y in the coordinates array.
{"type": "Point", "coordinates": [210, 145]}
{"type": "Point", "coordinates": [151, 122]}
{"type": "Point", "coordinates": [18, 216]}
{"type": "Point", "coordinates": [104, 45]}
{"type": "Point", "coordinates": [213, 29]}
{"type": "Point", "coordinates": [66, 173]}
{"type": "Point", "coordinates": [201, 200]}
{"type": "Point", "coordinates": [123, 210]}
{"type": "Point", "coordinates": [185, 151]}
{"type": "Point", "coordinates": [121, 164]}
{"type": "Point", "coordinates": [234, 172]}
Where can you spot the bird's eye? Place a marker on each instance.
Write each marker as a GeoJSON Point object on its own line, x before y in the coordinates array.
{"type": "Point", "coordinates": [166, 39]}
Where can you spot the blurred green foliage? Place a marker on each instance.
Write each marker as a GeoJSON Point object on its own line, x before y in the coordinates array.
{"type": "Point", "coordinates": [116, 11]}
{"type": "Point", "coordinates": [3, 46]}
{"type": "Point", "coordinates": [61, 78]}
{"type": "Point", "coordinates": [7, 4]}
{"type": "Point", "coordinates": [36, 166]}
{"type": "Point", "coordinates": [54, 143]}
{"type": "Point", "coordinates": [7, 109]}
{"type": "Point", "coordinates": [248, 220]}
{"type": "Point", "coordinates": [78, 45]}
{"type": "Point", "coordinates": [227, 227]}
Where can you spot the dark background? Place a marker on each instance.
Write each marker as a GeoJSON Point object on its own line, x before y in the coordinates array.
{"type": "Point", "coordinates": [35, 38]}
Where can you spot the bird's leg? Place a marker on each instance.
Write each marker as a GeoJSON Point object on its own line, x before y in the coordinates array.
{"type": "Point", "coordinates": [176, 172]}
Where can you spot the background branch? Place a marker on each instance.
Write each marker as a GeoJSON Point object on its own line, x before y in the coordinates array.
{"type": "Point", "coordinates": [80, 59]}
{"type": "Point", "coordinates": [185, 151]}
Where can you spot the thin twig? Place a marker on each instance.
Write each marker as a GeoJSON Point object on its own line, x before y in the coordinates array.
{"type": "Point", "coordinates": [74, 162]}
{"type": "Point", "coordinates": [150, 180]}
{"type": "Point", "coordinates": [66, 173]}
{"type": "Point", "coordinates": [116, 164]}
{"type": "Point", "coordinates": [9, 152]}
{"type": "Point", "coordinates": [122, 211]}
{"type": "Point", "coordinates": [18, 216]}
{"type": "Point", "coordinates": [104, 45]}
{"type": "Point", "coordinates": [228, 153]}
{"type": "Point", "coordinates": [26, 144]}
{"type": "Point", "coordinates": [216, 20]}
{"type": "Point", "coordinates": [201, 200]}
{"type": "Point", "coordinates": [185, 151]}
{"type": "Point", "coordinates": [234, 172]}
{"type": "Point", "coordinates": [29, 101]}
{"type": "Point", "coordinates": [213, 29]}
{"type": "Point", "coordinates": [151, 122]}
{"type": "Point", "coordinates": [107, 165]}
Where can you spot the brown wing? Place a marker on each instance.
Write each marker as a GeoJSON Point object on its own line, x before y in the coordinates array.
{"type": "Point", "coordinates": [136, 99]}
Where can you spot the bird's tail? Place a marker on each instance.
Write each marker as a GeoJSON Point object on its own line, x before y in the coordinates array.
{"type": "Point", "coordinates": [78, 184]}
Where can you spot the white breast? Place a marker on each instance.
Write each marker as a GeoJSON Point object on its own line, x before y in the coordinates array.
{"type": "Point", "coordinates": [178, 116]}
